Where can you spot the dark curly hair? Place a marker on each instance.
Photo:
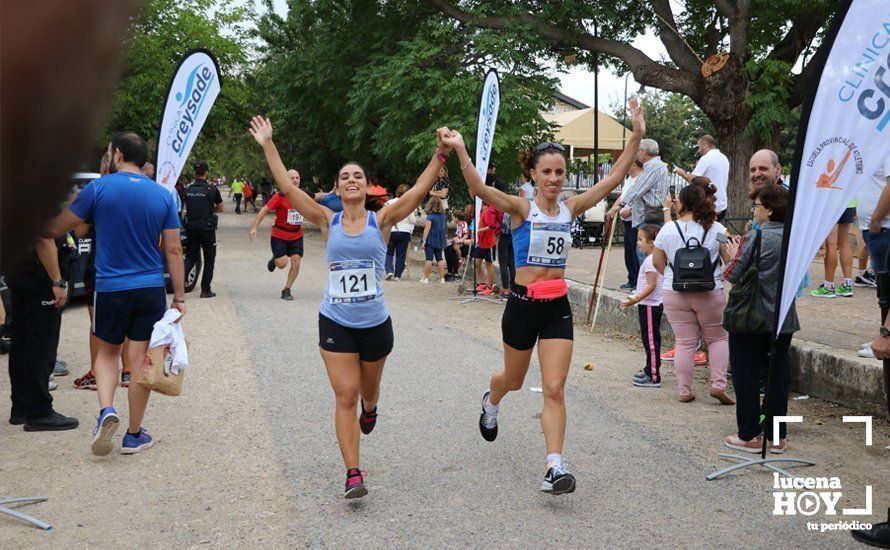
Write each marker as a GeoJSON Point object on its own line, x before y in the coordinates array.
{"type": "Point", "coordinates": [699, 200]}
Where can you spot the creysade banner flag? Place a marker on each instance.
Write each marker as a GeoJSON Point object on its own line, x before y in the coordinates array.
{"type": "Point", "coordinates": [488, 117]}
{"type": "Point", "coordinates": [847, 134]}
{"type": "Point", "coordinates": [192, 92]}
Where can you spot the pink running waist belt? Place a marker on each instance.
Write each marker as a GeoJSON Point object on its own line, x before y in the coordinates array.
{"type": "Point", "coordinates": [547, 290]}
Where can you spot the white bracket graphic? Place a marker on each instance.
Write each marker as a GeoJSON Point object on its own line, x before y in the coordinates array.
{"type": "Point", "coordinates": [779, 419]}
{"type": "Point", "coordinates": [865, 420]}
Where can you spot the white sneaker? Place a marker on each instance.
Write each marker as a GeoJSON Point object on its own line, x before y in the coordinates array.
{"type": "Point", "coordinates": [866, 352]}
{"type": "Point", "coordinates": [424, 281]}
{"type": "Point", "coordinates": [389, 276]}
{"type": "Point", "coordinates": [396, 278]}
{"type": "Point", "coordinates": [442, 280]}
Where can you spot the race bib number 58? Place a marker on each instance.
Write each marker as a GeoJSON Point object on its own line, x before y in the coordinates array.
{"type": "Point", "coordinates": [549, 244]}
{"type": "Point", "coordinates": [352, 281]}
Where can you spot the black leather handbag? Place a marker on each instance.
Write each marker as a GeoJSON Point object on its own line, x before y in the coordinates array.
{"type": "Point", "coordinates": [745, 312]}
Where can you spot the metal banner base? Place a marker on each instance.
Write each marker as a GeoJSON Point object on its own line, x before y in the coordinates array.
{"type": "Point", "coordinates": [21, 516]}
{"type": "Point", "coordinates": [746, 461]}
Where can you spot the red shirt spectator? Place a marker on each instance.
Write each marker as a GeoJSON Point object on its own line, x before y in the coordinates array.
{"type": "Point", "coordinates": [491, 219]}
{"type": "Point", "coordinates": [288, 222]}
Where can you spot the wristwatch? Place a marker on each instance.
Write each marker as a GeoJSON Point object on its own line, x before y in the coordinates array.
{"type": "Point", "coordinates": [885, 332]}
{"type": "Point", "coordinates": [61, 283]}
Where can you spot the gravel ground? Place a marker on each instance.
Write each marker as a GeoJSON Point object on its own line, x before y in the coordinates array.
{"type": "Point", "coordinates": [247, 455]}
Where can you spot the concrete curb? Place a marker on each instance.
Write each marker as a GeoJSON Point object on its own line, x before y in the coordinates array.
{"type": "Point", "coordinates": [839, 376]}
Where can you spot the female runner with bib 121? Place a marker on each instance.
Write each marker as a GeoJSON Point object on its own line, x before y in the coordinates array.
{"type": "Point", "coordinates": [355, 330]}
{"type": "Point", "coordinates": [538, 309]}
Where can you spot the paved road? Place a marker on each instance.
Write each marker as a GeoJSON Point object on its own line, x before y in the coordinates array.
{"type": "Point", "coordinates": [247, 456]}
{"type": "Point", "coordinates": [434, 481]}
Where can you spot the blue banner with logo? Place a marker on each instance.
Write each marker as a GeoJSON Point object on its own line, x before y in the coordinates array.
{"type": "Point", "coordinates": [194, 88]}
{"type": "Point", "coordinates": [844, 134]}
{"type": "Point", "coordinates": [488, 117]}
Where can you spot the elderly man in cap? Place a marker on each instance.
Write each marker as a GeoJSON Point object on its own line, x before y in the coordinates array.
{"type": "Point", "coordinates": [202, 202]}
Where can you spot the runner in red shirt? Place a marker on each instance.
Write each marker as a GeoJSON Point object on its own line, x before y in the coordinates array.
{"type": "Point", "coordinates": [287, 235]}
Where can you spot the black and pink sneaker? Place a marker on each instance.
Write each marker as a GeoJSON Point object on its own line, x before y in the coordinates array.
{"type": "Point", "coordinates": [367, 420]}
{"type": "Point", "coordinates": [355, 484]}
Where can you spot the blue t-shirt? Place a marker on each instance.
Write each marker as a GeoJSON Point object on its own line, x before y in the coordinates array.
{"type": "Point", "coordinates": [128, 211]}
{"type": "Point", "coordinates": [332, 201]}
{"type": "Point", "coordinates": [436, 237]}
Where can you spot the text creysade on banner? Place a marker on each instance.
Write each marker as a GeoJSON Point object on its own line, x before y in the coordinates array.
{"type": "Point", "coordinates": [193, 90]}
{"type": "Point", "coordinates": [488, 117]}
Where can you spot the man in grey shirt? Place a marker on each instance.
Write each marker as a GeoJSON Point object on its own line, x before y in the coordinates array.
{"type": "Point", "coordinates": [650, 188]}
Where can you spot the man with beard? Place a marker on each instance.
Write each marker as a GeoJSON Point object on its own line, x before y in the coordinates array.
{"type": "Point", "coordinates": [132, 214]}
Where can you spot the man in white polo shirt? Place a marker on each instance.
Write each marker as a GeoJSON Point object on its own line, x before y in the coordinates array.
{"type": "Point", "coordinates": [712, 167]}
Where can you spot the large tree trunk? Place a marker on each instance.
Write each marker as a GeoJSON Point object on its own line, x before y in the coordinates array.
{"type": "Point", "coordinates": [738, 149]}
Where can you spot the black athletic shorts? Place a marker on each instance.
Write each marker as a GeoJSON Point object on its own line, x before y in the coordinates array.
{"type": "Point", "coordinates": [128, 313]}
{"type": "Point", "coordinates": [280, 247]}
{"type": "Point", "coordinates": [481, 253]}
{"type": "Point", "coordinates": [371, 344]}
{"type": "Point", "coordinates": [526, 321]}
{"type": "Point", "coordinates": [848, 216]}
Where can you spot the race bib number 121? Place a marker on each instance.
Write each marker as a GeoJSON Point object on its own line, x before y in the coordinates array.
{"type": "Point", "coordinates": [352, 281]}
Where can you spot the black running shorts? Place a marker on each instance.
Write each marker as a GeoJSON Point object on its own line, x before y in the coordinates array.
{"type": "Point", "coordinates": [281, 247]}
{"type": "Point", "coordinates": [526, 321]}
{"type": "Point", "coordinates": [371, 344]}
{"type": "Point", "coordinates": [128, 314]}
{"type": "Point", "coordinates": [481, 253]}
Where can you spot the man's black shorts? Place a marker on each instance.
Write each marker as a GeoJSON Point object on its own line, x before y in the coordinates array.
{"type": "Point", "coordinates": [371, 344]}
{"type": "Point", "coordinates": [481, 253]}
{"type": "Point", "coordinates": [280, 247]}
{"type": "Point", "coordinates": [848, 216]}
{"type": "Point", "coordinates": [128, 314]}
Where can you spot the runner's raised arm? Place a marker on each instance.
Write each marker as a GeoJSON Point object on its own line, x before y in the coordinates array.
{"type": "Point", "coordinates": [261, 130]}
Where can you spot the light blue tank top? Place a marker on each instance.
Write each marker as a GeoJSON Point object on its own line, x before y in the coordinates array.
{"type": "Point", "coordinates": [354, 295]}
{"type": "Point", "coordinates": [541, 240]}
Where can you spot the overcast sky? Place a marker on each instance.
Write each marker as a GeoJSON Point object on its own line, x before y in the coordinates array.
{"type": "Point", "coordinates": [578, 83]}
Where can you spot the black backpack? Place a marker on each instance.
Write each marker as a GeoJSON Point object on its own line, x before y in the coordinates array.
{"type": "Point", "coordinates": [692, 266]}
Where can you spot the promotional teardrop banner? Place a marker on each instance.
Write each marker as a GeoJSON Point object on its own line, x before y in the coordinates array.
{"type": "Point", "coordinates": [488, 117]}
{"type": "Point", "coordinates": [193, 90]}
{"type": "Point", "coordinates": [844, 134]}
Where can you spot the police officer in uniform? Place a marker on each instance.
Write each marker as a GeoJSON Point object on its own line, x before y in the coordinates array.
{"type": "Point", "coordinates": [202, 202]}
{"type": "Point", "coordinates": [38, 291]}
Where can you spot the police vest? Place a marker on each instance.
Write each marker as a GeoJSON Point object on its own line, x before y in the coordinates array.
{"type": "Point", "coordinates": [199, 205]}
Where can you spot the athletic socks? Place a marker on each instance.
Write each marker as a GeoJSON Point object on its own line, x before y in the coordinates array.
{"type": "Point", "coordinates": [826, 284]}
{"type": "Point", "coordinates": [490, 410]}
{"type": "Point", "coordinates": [554, 459]}
{"type": "Point", "coordinates": [848, 283]}
{"type": "Point", "coordinates": [353, 472]}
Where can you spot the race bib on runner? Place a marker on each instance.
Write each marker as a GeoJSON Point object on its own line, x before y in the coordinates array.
{"type": "Point", "coordinates": [352, 281]}
{"type": "Point", "coordinates": [294, 217]}
{"type": "Point", "coordinates": [549, 244]}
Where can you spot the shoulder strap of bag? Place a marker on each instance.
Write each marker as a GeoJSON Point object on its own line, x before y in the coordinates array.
{"type": "Point", "coordinates": [680, 231]}
{"type": "Point", "coordinates": [757, 249]}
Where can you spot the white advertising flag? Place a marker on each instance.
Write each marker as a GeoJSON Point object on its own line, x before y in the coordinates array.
{"type": "Point", "coordinates": [192, 92]}
{"type": "Point", "coordinates": [843, 137]}
{"type": "Point", "coordinates": [488, 117]}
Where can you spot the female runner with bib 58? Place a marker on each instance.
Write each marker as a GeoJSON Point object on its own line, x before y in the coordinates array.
{"type": "Point", "coordinates": [355, 330]}
{"type": "Point", "coordinates": [538, 309]}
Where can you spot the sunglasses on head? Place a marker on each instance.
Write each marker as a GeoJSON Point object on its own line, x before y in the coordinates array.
{"type": "Point", "coordinates": [550, 145]}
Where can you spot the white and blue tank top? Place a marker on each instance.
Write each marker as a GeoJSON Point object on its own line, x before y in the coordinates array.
{"type": "Point", "coordinates": [541, 240]}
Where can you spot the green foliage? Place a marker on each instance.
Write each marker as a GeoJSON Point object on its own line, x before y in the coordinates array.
{"type": "Point", "coordinates": [159, 36]}
{"type": "Point", "coordinates": [676, 123]}
{"type": "Point", "coordinates": [372, 80]}
{"type": "Point", "coordinates": [768, 99]}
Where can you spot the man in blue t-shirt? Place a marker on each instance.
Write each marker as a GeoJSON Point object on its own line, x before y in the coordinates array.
{"type": "Point", "coordinates": [133, 216]}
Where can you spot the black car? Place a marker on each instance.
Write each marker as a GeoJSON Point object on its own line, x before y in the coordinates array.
{"type": "Point", "coordinates": [83, 246]}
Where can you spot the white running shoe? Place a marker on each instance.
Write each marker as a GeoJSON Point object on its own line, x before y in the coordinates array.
{"type": "Point", "coordinates": [424, 281]}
